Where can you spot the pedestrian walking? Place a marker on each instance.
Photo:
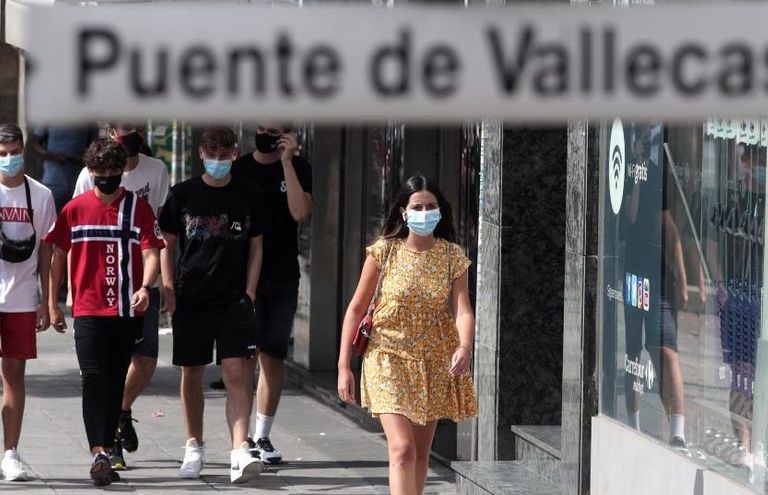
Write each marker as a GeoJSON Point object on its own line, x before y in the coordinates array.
{"type": "Point", "coordinates": [286, 179]}
{"type": "Point", "coordinates": [415, 367]}
{"type": "Point", "coordinates": [62, 149]}
{"type": "Point", "coordinates": [218, 221]}
{"type": "Point", "coordinates": [27, 213]}
{"type": "Point", "coordinates": [113, 241]}
{"type": "Point", "coordinates": [147, 178]}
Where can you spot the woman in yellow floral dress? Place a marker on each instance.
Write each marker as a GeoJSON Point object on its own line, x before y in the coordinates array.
{"type": "Point", "coordinates": [415, 370]}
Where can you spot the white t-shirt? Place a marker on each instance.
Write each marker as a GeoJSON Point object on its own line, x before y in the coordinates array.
{"type": "Point", "coordinates": [18, 281]}
{"type": "Point", "coordinates": [149, 180]}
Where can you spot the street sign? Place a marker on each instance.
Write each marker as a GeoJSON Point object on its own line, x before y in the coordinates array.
{"type": "Point", "coordinates": [222, 63]}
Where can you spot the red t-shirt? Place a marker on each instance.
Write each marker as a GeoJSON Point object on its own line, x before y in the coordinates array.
{"type": "Point", "coordinates": [106, 243]}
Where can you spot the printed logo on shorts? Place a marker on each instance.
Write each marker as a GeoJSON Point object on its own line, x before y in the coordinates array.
{"type": "Point", "coordinates": [158, 232]}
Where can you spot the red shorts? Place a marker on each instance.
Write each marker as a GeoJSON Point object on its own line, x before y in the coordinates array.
{"type": "Point", "coordinates": [18, 338]}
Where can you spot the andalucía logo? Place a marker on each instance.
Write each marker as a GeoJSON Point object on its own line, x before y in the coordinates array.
{"type": "Point", "coordinates": [616, 160]}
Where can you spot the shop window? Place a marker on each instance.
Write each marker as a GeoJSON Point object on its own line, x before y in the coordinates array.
{"type": "Point", "coordinates": [682, 276]}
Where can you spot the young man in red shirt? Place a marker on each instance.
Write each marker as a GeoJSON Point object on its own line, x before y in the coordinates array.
{"type": "Point", "coordinates": [114, 242]}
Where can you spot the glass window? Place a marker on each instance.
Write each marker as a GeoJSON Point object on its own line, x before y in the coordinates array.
{"type": "Point", "coordinates": [682, 242]}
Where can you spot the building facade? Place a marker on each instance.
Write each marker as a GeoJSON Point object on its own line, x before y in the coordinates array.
{"type": "Point", "coordinates": [617, 280]}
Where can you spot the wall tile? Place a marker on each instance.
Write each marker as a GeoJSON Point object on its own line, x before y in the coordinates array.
{"type": "Point", "coordinates": [579, 370]}
{"type": "Point", "coordinates": [490, 169]}
{"type": "Point", "coordinates": [488, 262]}
{"type": "Point", "coordinates": [534, 178]}
{"type": "Point", "coordinates": [577, 166]}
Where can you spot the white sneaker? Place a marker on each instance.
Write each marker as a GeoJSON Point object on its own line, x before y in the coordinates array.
{"type": "Point", "coordinates": [12, 467]}
{"type": "Point", "coordinates": [244, 466]}
{"type": "Point", "coordinates": [194, 460]}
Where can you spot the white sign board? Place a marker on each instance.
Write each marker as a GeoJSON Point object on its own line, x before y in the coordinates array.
{"type": "Point", "coordinates": [537, 63]}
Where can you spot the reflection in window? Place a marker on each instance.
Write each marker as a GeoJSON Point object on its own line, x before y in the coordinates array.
{"type": "Point", "coordinates": [682, 240]}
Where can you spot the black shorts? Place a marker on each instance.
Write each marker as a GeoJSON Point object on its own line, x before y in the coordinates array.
{"type": "Point", "coordinates": [196, 327]}
{"type": "Point", "coordinates": [149, 344]}
{"type": "Point", "coordinates": [276, 303]}
{"type": "Point", "coordinates": [660, 328]}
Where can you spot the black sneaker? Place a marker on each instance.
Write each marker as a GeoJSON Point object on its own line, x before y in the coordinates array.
{"type": "Point", "coordinates": [116, 459]}
{"type": "Point", "coordinates": [126, 433]}
{"type": "Point", "coordinates": [264, 450]}
{"type": "Point", "coordinates": [101, 471]}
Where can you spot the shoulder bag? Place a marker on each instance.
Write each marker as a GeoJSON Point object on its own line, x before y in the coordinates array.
{"type": "Point", "coordinates": [365, 327]}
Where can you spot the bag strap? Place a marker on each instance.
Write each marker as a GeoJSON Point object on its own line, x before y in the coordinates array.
{"type": "Point", "coordinates": [29, 205]}
{"type": "Point", "coordinates": [380, 281]}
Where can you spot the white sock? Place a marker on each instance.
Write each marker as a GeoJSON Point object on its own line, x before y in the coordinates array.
{"type": "Point", "coordinates": [678, 426]}
{"type": "Point", "coordinates": [263, 426]}
{"type": "Point", "coordinates": [634, 420]}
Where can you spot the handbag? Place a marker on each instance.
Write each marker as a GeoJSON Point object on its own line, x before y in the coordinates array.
{"type": "Point", "coordinates": [365, 327]}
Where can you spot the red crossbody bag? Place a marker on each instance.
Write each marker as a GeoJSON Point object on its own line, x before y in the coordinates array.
{"type": "Point", "coordinates": [365, 327]}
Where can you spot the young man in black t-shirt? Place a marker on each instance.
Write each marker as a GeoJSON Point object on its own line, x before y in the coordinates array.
{"type": "Point", "coordinates": [218, 221]}
{"type": "Point", "coordinates": [287, 182]}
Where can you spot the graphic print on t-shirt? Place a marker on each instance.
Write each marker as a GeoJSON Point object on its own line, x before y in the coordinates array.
{"type": "Point", "coordinates": [204, 228]}
{"type": "Point", "coordinates": [14, 214]}
{"type": "Point", "coordinates": [117, 258]}
{"type": "Point", "coordinates": [143, 191]}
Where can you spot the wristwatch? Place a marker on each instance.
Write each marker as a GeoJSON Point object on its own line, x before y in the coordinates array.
{"type": "Point", "coordinates": [148, 287]}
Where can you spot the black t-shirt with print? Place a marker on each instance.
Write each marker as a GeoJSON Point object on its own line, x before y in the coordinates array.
{"type": "Point", "coordinates": [280, 239]}
{"type": "Point", "coordinates": [214, 226]}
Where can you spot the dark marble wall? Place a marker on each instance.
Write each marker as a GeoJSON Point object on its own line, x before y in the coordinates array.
{"type": "Point", "coordinates": [518, 364]}
{"type": "Point", "coordinates": [580, 315]}
{"type": "Point", "coordinates": [531, 280]}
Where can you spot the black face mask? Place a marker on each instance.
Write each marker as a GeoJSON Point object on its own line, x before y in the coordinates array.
{"type": "Point", "coordinates": [266, 143]}
{"type": "Point", "coordinates": [107, 184]}
{"type": "Point", "coordinates": [17, 251]}
{"type": "Point", "coordinates": [132, 142]}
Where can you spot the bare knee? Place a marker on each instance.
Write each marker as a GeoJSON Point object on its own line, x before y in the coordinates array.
{"type": "Point", "coordinates": [192, 375]}
{"type": "Point", "coordinates": [234, 375]}
{"type": "Point", "coordinates": [144, 364]}
{"type": "Point", "coordinates": [13, 372]}
{"type": "Point", "coordinates": [402, 452]}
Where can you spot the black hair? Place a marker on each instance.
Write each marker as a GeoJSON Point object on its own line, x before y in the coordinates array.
{"type": "Point", "coordinates": [394, 225]}
{"type": "Point", "coordinates": [105, 154]}
{"type": "Point", "coordinates": [11, 133]}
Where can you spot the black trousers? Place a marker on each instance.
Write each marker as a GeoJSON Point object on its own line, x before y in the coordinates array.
{"type": "Point", "coordinates": [104, 345]}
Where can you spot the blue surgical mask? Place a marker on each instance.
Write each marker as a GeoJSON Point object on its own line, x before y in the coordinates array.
{"type": "Point", "coordinates": [217, 169]}
{"type": "Point", "coordinates": [423, 223]}
{"type": "Point", "coordinates": [10, 166]}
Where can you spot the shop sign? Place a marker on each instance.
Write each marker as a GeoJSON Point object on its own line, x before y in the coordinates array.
{"type": "Point", "coordinates": [637, 292]}
{"type": "Point", "coordinates": [225, 62]}
{"type": "Point", "coordinates": [643, 373]}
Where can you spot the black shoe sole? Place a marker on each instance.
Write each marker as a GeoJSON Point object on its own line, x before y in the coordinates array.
{"type": "Point", "coordinates": [101, 473]}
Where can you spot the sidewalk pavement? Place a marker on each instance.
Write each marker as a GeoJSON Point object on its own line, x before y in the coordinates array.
{"type": "Point", "coordinates": [324, 451]}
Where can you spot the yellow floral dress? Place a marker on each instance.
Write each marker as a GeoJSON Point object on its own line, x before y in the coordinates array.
{"type": "Point", "coordinates": [405, 368]}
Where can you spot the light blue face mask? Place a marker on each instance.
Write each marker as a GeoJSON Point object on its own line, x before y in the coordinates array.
{"type": "Point", "coordinates": [10, 166]}
{"type": "Point", "coordinates": [423, 223]}
{"type": "Point", "coordinates": [217, 169]}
